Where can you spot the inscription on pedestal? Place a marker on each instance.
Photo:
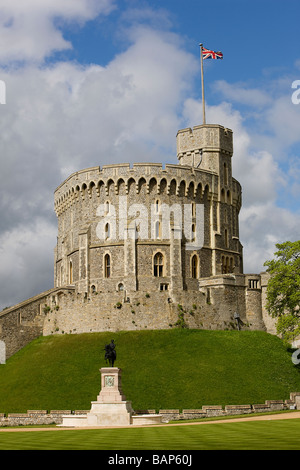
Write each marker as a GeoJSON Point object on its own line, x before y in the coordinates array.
{"type": "Point", "coordinates": [109, 381]}
{"type": "Point", "coordinates": [111, 389]}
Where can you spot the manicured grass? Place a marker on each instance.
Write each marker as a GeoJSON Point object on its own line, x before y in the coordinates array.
{"type": "Point", "coordinates": [254, 435]}
{"type": "Point", "coordinates": [161, 369]}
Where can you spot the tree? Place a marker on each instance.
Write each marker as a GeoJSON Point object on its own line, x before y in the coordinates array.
{"type": "Point", "coordinates": [283, 291]}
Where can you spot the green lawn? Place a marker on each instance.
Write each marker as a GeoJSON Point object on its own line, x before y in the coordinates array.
{"type": "Point", "coordinates": [161, 369]}
{"type": "Point", "coordinates": [254, 435]}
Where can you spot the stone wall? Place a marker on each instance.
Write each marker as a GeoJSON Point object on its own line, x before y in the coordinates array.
{"type": "Point", "coordinates": [43, 417]}
{"type": "Point", "coordinates": [64, 310]}
{"type": "Point", "coordinates": [213, 306]}
{"type": "Point", "coordinates": [24, 322]}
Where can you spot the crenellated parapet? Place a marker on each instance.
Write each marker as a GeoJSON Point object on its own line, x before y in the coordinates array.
{"type": "Point", "coordinates": [189, 180]}
{"type": "Point", "coordinates": [83, 184]}
{"type": "Point", "coordinates": [202, 146]}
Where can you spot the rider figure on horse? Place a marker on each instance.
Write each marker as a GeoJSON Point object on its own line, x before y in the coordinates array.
{"type": "Point", "coordinates": [110, 353]}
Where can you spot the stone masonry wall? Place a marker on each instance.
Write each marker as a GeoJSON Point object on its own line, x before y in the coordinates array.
{"type": "Point", "coordinates": [64, 310]}
{"type": "Point", "coordinates": [43, 417]}
{"type": "Point", "coordinates": [77, 203]}
{"type": "Point", "coordinates": [24, 322]}
{"type": "Point", "coordinates": [212, 307]}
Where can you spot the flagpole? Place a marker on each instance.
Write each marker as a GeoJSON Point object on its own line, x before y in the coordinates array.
{"type": "Point", "coordinates": [202, 80]}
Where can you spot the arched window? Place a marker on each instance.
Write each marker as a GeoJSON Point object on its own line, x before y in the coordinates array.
{"type": "Point", "coordinates": [222, 195]}
{"type": "Point", "coordinates": [107, 208]}
{"type": "Point", "coordinates": [71, 273]}
{"type": "Point", "coordinates": [120, 287]}
{"type": "Point", "coordinates": [226, 238]}
{"type": "Point", "coordinates": [225, 174]}
{"type": "Point", "coordinates": [157, 206]}
{"type": "Point", "coordinates": [228, 197]}
{"type": "Point", "coordinates": [227, 265]}
{"type": "Point", "coordinates": [107, 231]}
{"type": "Point", "coordinates": [107, 266]}
{"type": "Point", "coordinates": [157, 230]}
{"type": "Point", "coordinates": [61, 275]}
{"type": "Point", "coordinates": [193, 209]}
{"type": "Point", "coordinates": [194, 266]}
{"type": "Point", "coordinates": [193, 233]}
{"type": "Point", "coordinates": [158, 265]}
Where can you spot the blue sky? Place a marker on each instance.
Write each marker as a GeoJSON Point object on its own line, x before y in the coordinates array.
{"type": "Point", "coordinates": [257, 37]}
{"type": "Point", "coordinates": [96, 81]}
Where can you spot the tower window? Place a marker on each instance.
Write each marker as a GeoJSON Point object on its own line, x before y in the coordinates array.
{"type": "Point", "coordinates": [107, 208]}
{"type": "Point", "coordinates": [157, 206]}
{"type": "Point", "coordinates": [228, 197]}
{"type": "Point", "coordinates": [225, 174]}
{"type": "Point", "coordinates": [158, 265]}
{"type": "Point", "coordinates": [193, 233]}
{"type": "Point", "coordinates": [107, 231]}
{"type": "Point", "coordinates": [71, 272]}
{"type": "Point", "coordinates": [157, 230]}
{"type": "Point", "coordinates": [163, 287]}
{"type": "Point", "coordinates": [253, 283]}
{"type": "Point", "coordinates": [107, 266]}
{"type": "Point", "coordinates": [193, 209]}
{"type": "Point", "coordinates": [226, 238]}
{"type": "Point", "coordinates": [227, 265]}
{"type": "Point", "coordinates": [194, 267]}
{"type": "Point", "coordinates": [222, 195]}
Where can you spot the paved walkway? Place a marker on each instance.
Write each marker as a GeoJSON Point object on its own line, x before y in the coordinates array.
{"type": "Point", "coordinates": [292, 415]}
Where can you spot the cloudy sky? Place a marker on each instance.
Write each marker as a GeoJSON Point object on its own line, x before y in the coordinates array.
{"type": "Point", "coordinates": [91, 82]}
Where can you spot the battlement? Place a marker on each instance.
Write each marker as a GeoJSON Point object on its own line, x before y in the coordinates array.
{"type": "Point", "coordinates": [205, 146]}
{"type": "Point", "coordinates": [86, 181]}
{"type": "Point", "coordinates": [208, 136]}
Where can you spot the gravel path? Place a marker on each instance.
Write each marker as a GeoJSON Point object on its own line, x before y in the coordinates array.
{"type": "Point", "coordinates": [292, 415]}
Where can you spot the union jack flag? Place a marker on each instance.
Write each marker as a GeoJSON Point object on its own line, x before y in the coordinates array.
{"type": "Point", "coordinates": [207, 54]}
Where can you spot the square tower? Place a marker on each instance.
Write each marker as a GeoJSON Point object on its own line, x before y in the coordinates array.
{"type": "Point", "coordinates": [205, 146]}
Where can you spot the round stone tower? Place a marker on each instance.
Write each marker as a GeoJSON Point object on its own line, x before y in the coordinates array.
{"type": "Point", "coordinates": [151, 228]}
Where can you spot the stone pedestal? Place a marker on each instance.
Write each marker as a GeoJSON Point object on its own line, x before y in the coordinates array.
{"type": "Point", "coordinates": [111, 407]}
{"type": "Point", "coordinates": [111, 386]}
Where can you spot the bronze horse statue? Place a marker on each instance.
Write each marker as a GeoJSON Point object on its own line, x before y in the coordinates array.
{"type": "Point", "coordinates": [110, 353]}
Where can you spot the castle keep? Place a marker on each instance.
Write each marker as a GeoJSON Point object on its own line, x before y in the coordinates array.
{"type": "Point", "coordinates": [129, 249]}
{"type": "Point", "coordinates": [148, 247]}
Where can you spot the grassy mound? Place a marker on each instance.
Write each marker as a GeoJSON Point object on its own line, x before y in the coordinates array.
{"type": "Point", "coordinates": [161, 369]}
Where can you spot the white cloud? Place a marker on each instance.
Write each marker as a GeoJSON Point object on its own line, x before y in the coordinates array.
{"type": "Point", "coordinates": [283, 121]}
{"type": "Point", "coordinates": [261, 227]}
{"type": "Point", "coordinates": [242, 94]}
{"type": "Point", "coordinates": [26, 261]}
{"type": "Point", "coordinates": [29, 29]}
{"type": "Point", "coordinates": [66, 117]}
{"type": "Point", "coordinates": [273, 119]}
